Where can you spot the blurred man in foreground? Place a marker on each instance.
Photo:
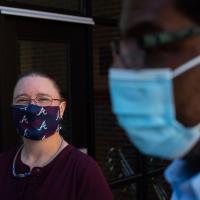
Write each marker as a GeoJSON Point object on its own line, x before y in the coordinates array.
{"type": "Point", "coordinates": [154, 85]}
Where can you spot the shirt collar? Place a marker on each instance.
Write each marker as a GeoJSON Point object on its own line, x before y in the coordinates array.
{"type": "Point", "coordinates": [185, 183]}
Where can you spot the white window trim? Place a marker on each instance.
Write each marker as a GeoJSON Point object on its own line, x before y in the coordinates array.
{"type": "Point", "coordinates": [45, 15]}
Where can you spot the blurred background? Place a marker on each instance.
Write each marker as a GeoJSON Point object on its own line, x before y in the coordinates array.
{"type": "Point", "coordinates": [70, 40]}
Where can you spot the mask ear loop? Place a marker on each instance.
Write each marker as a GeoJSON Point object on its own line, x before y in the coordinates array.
{"type": "Point", "coordinates": [186, 66]}
{"type": "Point", "coordinates": [59, 127]}
{"type": "Point", "coordinates": [60, 117]}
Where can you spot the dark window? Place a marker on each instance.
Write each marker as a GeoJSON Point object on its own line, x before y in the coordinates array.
{"type": "Point", "coordinates": [58, 4]}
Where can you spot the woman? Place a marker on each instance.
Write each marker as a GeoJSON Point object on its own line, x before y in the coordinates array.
{"type": "Point", "coordinates": [46, 166]}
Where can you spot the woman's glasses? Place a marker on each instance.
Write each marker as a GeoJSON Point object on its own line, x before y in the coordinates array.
{"type": "Point", "coordinates": [39, 100]}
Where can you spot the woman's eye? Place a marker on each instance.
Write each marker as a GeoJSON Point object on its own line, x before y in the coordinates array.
{"type": "Point", "coordinates": [22, 100]}
{"type": "Point", "coordinates": [43, 99]}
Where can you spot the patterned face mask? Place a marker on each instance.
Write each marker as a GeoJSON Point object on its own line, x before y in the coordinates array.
{"type": "Point", "coordinates": [36, 122]}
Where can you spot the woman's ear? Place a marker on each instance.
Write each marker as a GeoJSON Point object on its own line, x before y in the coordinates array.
{"type": "Point", "coordinates": [62, 108]}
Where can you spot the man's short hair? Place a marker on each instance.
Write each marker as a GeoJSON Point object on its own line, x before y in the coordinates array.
{"type": "Point", "coordinates": [145, 11]}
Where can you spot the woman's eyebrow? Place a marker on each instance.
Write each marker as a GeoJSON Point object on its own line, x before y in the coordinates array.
{"type": "Point", "coordinates": [25, 95]}
{"type": "Point", "coordinates": [43, 94]}
{"type": "Point", "coordinates": [21, 95]}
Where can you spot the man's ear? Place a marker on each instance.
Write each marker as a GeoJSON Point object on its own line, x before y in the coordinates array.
{"type": "Point", "coordinates": [62, 108]}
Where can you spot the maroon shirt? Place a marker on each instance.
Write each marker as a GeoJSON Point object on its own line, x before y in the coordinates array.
{"type": "Point", "coordinates": [72, 175]}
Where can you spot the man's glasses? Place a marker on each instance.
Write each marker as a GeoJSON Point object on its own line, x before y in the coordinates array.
{"type": "Point", "coordinates": [127, 53]}
{"type": "Point", "coordinates": [158, 39]}
{"type": "Point", "coordinates": [136, 47]}
{"type": "Point", "coordinates": [39, 100]}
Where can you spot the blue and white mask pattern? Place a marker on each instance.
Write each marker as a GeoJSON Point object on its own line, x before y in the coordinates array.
{"type": "Point", "coordinates": [35, 122]}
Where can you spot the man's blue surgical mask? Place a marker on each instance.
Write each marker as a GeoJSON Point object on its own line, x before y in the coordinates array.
{"type": "Point", "coordinates": [143, 103]}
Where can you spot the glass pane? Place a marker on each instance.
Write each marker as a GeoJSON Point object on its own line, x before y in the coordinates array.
{"type": "Point", "coordinates": [117, 157]}
{"type": "Point", "coordinates": [127, 192]}
{"type": "Point", "coordinates": [51, 58]}
{"type": "Point", "coordinates": [105, 127]}
{"type": "Point", "coordinates": [158, 188]}
{"type": "Point", "coordinates": [59, 4]}
{"type": "Point", "coordinates": [114, 153]}
{"type": "Point", "coordinates": [106, 9]}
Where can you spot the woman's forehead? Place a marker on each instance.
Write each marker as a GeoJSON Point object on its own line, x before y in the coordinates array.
{"type": "Point", "coordinates": [32, 85]}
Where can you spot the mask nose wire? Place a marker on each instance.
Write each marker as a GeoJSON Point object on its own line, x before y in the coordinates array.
{"type": "Point", "coordinates": [186, 66]}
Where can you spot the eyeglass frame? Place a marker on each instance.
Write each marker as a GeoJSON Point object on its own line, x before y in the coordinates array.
{"type": "Point", "coordinates": [149, 41]}
{"type": "Point", "coordinates": [37, 103]}
{"type": "Point", "coordinates": [162, 38]}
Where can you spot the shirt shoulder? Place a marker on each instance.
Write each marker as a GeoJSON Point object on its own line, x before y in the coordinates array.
{"type": "Point", "coordinates": [183, 180]}
{"type": "Point", "coordinates": [79, 159]}
{"type": "Point", "coordinates": [92, 183]}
